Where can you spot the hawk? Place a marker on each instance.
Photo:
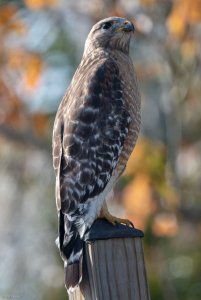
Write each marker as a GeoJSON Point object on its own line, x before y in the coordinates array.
{"type": "Point", "coordinates": [95, 131]}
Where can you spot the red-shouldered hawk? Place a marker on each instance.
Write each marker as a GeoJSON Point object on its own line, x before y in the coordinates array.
{"type": "Point", "coordinates": [95, 130]}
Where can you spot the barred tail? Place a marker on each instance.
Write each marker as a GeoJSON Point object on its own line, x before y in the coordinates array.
{"type": "Point", "coordinates": [73, 275]}
{"type": "Point", "coordinates": [71, 249]}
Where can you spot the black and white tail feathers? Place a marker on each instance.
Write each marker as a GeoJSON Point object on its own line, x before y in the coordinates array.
{"type": "Point", "coordinates": [71, 249]}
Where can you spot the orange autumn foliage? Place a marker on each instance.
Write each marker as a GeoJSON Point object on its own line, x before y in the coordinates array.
{"type": "Point", "coordinates": [25, 67]}
{"type": "Point", "coordinates": [6, 13]}
{"type": "Point", "coordinates": [184, 13]}
{"type": "Point", "coordinates": [7, 22]}
{"type": "Point", "coordinates": [11, 108]}
{"type": "Point", "coordinates": [13, 114]}
{"type": "Point", "coordinates": [138, 200]}
{"type": "Point", "coordinates": [165, 224]}
{"type": "Point", "coordinates": [33, 68]}
{"type": "Point", "coordinates": [148, 157]}
{"type": "Point", "coordinates": [38, 4]}
{"type": "Point", "coordinates": [40, 122]}
{"type": "Point", "coordinates": [148, 184]}
{"type": "Point", "coordinates": [26, 63]}
{"type": "Point", "coordinates": [188, 48]}
{"type": "Point", "coordinates": [147, 2]}
{"type": "Point", "coordinates": [15, 58]}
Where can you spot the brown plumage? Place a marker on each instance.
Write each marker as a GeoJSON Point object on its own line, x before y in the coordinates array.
{"type": "Point", "coordinates": [95, 130]}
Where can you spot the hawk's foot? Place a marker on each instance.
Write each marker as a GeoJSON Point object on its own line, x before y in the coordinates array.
{"type": "Point", "coordinates": [105, 214]}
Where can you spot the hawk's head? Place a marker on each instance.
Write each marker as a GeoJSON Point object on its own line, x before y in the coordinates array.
{"type": "Point", "coordinates": [113, 32]}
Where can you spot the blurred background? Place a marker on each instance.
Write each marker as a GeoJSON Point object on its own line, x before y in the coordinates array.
{"type": "Point", "coordinates": [41, 45]}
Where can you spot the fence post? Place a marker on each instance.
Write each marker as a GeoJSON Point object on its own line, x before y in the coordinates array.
{"type": "Point", "coordinates": [114, 266]}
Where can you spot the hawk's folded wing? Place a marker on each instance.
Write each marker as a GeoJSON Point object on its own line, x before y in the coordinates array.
{"type": "Point", "coordinates": [92, 124]}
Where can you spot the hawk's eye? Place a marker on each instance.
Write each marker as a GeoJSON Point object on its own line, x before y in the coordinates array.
{"type": "Point", "coordinates": [107, 25]}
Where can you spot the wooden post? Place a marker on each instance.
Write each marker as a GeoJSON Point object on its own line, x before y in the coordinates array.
{"type": "Point", "coordinates": [114, 267]}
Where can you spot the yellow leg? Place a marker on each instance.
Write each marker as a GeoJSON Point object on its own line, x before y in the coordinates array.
{"type": "Point", "coordinates": [104, 214]}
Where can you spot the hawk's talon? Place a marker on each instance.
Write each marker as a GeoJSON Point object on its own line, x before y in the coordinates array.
{"type": "Point", "coordinates": [124, 222]}
{"type": "Point", "coordinates": [104, 214]}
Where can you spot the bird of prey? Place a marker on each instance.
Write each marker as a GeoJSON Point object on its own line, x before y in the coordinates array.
{"type": "Point", "coordinates": [95, 131]}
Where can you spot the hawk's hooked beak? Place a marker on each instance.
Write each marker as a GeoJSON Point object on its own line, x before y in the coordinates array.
{"type": "Point", "coordinates": [127, 26]}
